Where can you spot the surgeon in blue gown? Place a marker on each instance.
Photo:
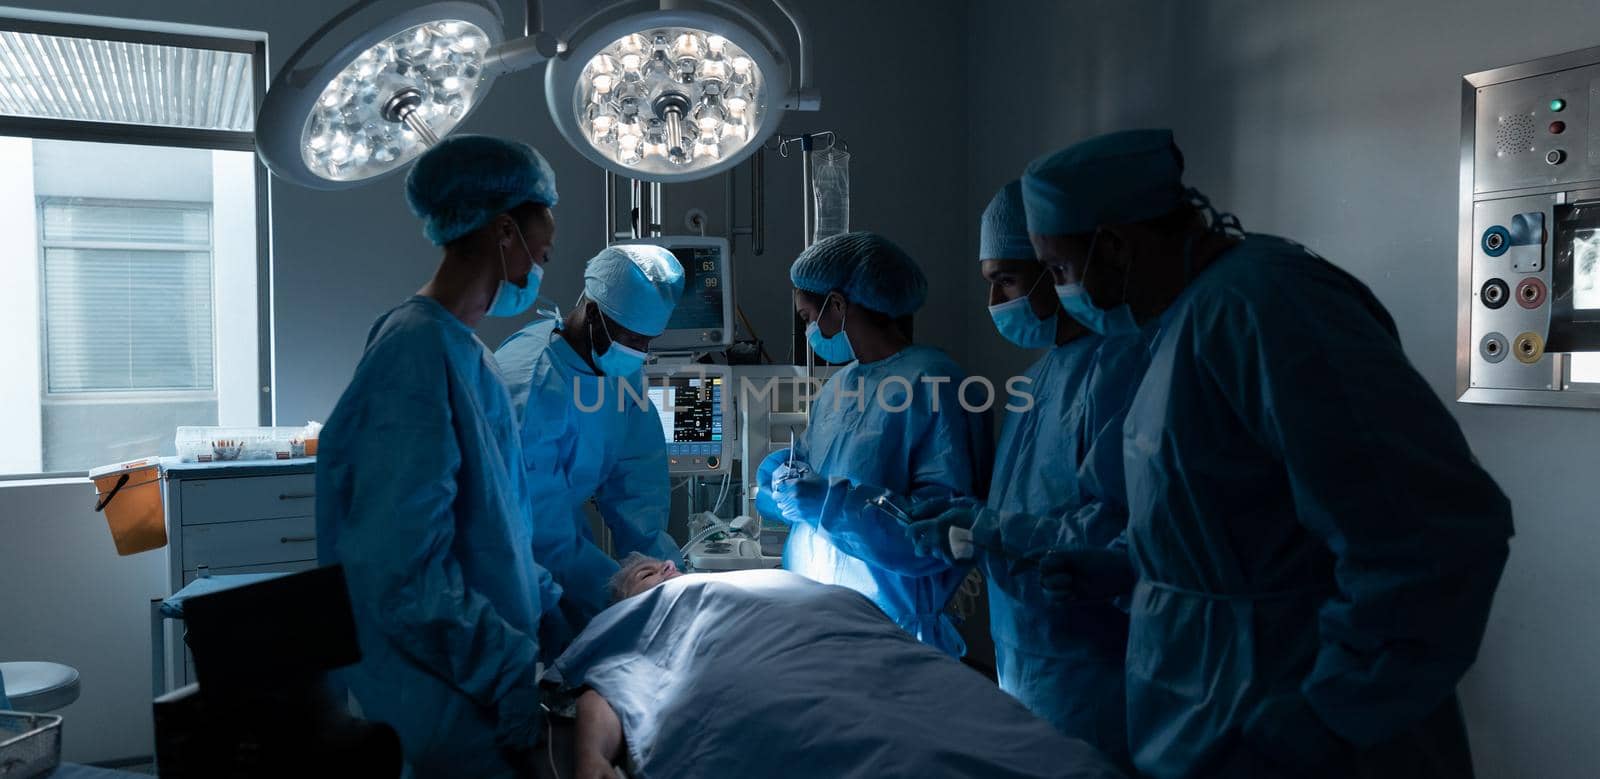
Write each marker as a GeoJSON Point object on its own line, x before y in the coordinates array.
{"type": "Point", "coordinates": [1062, 660]}
{"type": "Point", "coordinates": [586, 435]}
{"type": "Point", "coordinates": [419, 479]}
{"type": "Point", "coordinates": [889, 424]}
{"type": "Point", "coordinates": [1316, 546]}
{"type": "Point", "coordinates": [1083, 552]}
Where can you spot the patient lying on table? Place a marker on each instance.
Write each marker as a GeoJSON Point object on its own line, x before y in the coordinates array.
{"type": "Point", "coordinates": [767, 673]}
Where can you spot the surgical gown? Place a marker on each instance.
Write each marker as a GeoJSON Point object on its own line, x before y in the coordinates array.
{"type": "Point", "coordinates": [1312, 532]}
{"type": "Point", "coordinates": [1063, 661]}
{"type": "Point", "coordinates": [582, 438]}
{"type": "Point", "coordinates": [878, 425]}
{"type": "Point", "coordinates": [419, 497]}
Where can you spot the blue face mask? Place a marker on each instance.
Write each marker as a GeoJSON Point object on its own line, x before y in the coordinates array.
{"type": "Point", "coordinates": [833, 348]}
{"type": "Point", "coordinates": [1016, 321]}
{"type": "Point", "coordinates": [618, 360]}
{"type": "Point", "coordinates": [1075, 300]}
{"type": "Point", "coordinates": [510, 299]}
{"type": "Point", "coordinates": [1117, 321]}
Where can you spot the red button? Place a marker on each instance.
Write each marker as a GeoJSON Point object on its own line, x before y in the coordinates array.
{"type": "Point", "coordinates": [1557, 127]}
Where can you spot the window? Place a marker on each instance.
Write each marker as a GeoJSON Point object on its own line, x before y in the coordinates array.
{"type": "Point", "coordinates": [133, 293]}
{"type": "Point", "coordinates": [71, 77]}
{"type": "Point", "coordinates": [127, 296]}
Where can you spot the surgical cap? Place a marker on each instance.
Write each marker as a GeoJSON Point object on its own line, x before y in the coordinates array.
{"type": "Point", "coordinates": [868, 268]}
{"type": "Point", "coordinates": [1003, 234]}
{"type": "Point", "coordinates": [637, 285]}
{"type": "Point", "coordinates": [1118, 178]}
{"type": "Point", "coordinates": [460, 184]}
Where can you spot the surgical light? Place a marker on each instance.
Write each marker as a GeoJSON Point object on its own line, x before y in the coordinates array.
{"type": "Point", "coordinates": [659, 91]}
{"type": "Point", "coordinates": [681, 87]}
{"type": "Point", "coordinates": [375, 86]}
{"type": "Point", "coordinates": [394, 100]}
{"type": "Point", "coordinates": [675, 92]}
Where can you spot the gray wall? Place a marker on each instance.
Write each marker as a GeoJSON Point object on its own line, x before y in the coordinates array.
{"type": "Point", "coordinates": [1337, 124]}
{"type": "Point", "coordinates": [66, 597]}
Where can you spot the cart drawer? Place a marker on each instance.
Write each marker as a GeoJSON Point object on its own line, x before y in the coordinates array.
{"type": "Point", "coordinates": [229, 544]}
{"type": "Point", "coordinates": [209, 501]}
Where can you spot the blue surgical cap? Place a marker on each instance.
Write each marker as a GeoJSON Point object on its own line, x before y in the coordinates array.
{"type": "Point", "coordinates": [637, 285]}
{"type": "Point", "coordinates": [868, 268]}
{"type": "Point", "coordinates": [1003, 234]}
{"type": "Point", "coordinates": [465, 180]}
{"type": "Point", "coordinates": [1118, 178]}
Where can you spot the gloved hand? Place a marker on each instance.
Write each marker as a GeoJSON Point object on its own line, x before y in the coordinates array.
{"type": "Point", "coordinates": [787, 472]}
{"type": "Point", "coordinates": [766, 475]}
{"type": "Point", "coordinates": [798, 494]}
{"type": "Point", "coordinates": [1286, 732]}
{"type": "Point", "coordinates": [770, 465]}
{"type": "Point", "coordinates": [931, 537]}
{"type": "Point", "coordinates": [952, 529]}
{"type": "Point", "coordinates": [1086, 573]}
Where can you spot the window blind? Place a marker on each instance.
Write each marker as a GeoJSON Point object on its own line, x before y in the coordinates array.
{"type": "Point", "coordinates": [127, 298]}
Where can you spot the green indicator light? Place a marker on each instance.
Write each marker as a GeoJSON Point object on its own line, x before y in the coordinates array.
{"type": "Point", "coordinates": [1557, 104]}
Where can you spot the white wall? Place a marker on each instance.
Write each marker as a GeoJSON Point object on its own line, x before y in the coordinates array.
{"type": "Point", "coordinates": [1338, 124]}
{"type": "Point", "coordinates": [71, 169]}
{"type": "Point", "coordinates": [20, 416]}
{"type": "Point", "coordinates": [233, 252]}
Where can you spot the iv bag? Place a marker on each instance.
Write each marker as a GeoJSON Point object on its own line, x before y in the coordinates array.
{"type": "Point", "coordinates": [830, 192]}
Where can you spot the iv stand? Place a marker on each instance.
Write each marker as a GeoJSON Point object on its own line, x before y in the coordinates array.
{"type": "Point", "coordinates": [797, 328]}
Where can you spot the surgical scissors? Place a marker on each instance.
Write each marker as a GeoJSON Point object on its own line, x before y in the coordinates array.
{"type": "Point", "coordinates": [882, 503]}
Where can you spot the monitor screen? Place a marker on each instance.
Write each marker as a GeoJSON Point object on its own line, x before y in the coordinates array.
{"type": "Point", "coordinates": [1574, 283]}
{"type": "Point", "coordinates": [700, 308]}
{"type": "Point", "coordinates": [1586, 269]}
{"type": "Point", "coordinates": [691, 412]}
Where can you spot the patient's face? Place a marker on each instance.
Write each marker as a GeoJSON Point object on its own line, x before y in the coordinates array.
{"type": "Point", "coordinates": [646, 574]}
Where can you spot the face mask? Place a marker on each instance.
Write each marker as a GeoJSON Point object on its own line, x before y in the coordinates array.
{"type": "Point", "coordinates": [510, 299]}
{"type": "Point", "coordinates": [1075, 300]}
{"type": "Point", "coordinates": [1016, 321]}
{"type": "Point", "coordinates": [618, 360]}
{"type": "Point", "coordinates": [833, 348]}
